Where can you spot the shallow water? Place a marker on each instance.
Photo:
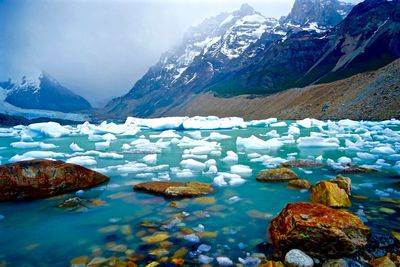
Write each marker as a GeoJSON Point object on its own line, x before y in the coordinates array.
{"type": "Point", "coordinates": [38, 233]}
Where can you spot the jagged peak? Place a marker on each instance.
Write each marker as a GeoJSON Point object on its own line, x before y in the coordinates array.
{"type": "Point", "coordinates": [246, 9]}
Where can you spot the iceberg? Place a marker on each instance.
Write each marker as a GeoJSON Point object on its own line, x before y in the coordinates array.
{"type": "Point", "coordinates": [312, 142]}
{"type": "Point", "coordinates": [48, 129]}
{"type": "Point", "coordinates": [241, 170]}
{"type": "Point", "coordinates": [150, 159]}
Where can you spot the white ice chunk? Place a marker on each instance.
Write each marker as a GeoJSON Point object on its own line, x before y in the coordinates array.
{"type": "Point", "coordinates": [48, 129]}
{"type": "Point", "coordinates": [241, 170]}
{"type": "Point", "coordinates": [231, 157]}
{"type": "Point", "coordinates": [150, 159]}
{"type": "Point", "coordinates": [36, 155]}
{"type": "Point", "coordinates": [193, 164]}
{"type": "Point", "coordinates": [279, 124]}
{"type": "Point", "coordinates": [75, 147]}
{"type": "Point", "coordinates": [165, 134]}
{"type": "Point", "coordinates": [82, 160]}
{"type": "Point", "coordinates": [312, 142]}
{"type": "Point", "coordinates": [254, 143]}
{"type": "Point", "coordinates": [102, 145]}
{"type": "Point", "coordinates": [217, 136]}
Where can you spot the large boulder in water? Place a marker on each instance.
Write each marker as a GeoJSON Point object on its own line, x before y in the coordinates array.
{"type": "Point", "coordinates": [330, 194]}
{"type": "Point", "coordinates": [276, 175]}
{"type": "Point", "coordinates": [317, 230]}
{"type": "Point", "coordinates": [175, 189]}
{"type": "Point", "coordinates": [43, 178]}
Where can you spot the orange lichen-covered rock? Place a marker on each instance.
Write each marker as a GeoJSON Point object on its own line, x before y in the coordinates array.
{"type": "Point", "coordinates": [44, 178]}
{"type": "Point", "coordinates": [175, 189]}
{"type": "Point", "coordinates": [276, 175]}
{"type": "Point", "coordinates": [317, 230]}
{"type": "Point", "coordinates": [330, 194]}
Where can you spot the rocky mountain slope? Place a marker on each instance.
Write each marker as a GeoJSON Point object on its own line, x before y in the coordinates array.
{"type": "Point", "coordinates": [373, 95]}
{"type": "Point", "coordinates": [42, 92]}
{"type": "Point", "coordinates": [246, 53]}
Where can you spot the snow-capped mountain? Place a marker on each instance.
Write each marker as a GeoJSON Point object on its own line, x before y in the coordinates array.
{"type": "Point", "coordinates": [244, 52]}
{"type": "Point", "coordinates": [42, 92]}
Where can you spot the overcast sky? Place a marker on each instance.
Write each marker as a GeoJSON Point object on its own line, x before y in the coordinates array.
{"type": "Point", "coordinates": [99, 48]}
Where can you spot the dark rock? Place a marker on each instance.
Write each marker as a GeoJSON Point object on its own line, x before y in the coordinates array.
{"type": "Point", "coordinates": [317, 230]}
{"type": "Point", "coordinates": [44, 178]}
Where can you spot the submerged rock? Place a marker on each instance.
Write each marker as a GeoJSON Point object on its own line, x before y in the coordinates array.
{"type": "Point", "coordinates": [385, 261]}
{"type": "Point", "coordinates": [317, 230]}
{"type": "Point", "coordinates": [44, 178]}
{"type": "Point", "coordinates": [175, 189]}
{"type": "Point", "coordinates": [300, 184]}
{"type": "Point", "coordinates": [276, 175]}
{"type": "Point", "coordinates": [301, 163]}
{"type": "Point", "coordinates": [335, 263]}
{"type": "Point", "coordinates": [330, 194]}
{"type": "Point", "coordinates": [357, 169]}
{"type": "Point", "coordinates": [297, 258]}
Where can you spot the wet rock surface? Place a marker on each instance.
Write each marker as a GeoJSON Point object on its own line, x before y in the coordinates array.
{"type": "Point", "coordinates": [297, 258]}
{"type": "Point", "coordinates": [276, 175]}
{"type": "Point", "coordinates": [175, 189]}
{"type": "Point", "coordinates": [330, 194]}
{"type": "Point", "coordinates": [317, 230]}
{"type": "Point", "coordinates": [300, 184]}
{"type": "Point", "coordinates": [301, 163]}
{"type": "Point", "coordinates": [43, 178]}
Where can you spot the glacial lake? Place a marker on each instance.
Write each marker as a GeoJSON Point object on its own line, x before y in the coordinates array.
{"type": "Point", "coordinates": [233, 220]}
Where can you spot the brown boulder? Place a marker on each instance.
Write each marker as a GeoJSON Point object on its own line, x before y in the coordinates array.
{"type": "Point", "coordinates": [44, 178]}
{"type": "Point", "coordinates": [300, 184]}
{"type": "Point", "coordinates": [276, 175]}
{"type": "Point", "coordinates": [343, 183]}
{"type": "Point", "coordinates": [301, 163]}
{"type": "Point", "coordinates": [357, 169]}
{"type": "Point", "coordinates": [330, 194]}
{"type": "Point", "coordinates": [385, 261]}
{"type": "Point", "coordinates": [175, 189]}
{"type": "Point", "coordinates": [317, 230]}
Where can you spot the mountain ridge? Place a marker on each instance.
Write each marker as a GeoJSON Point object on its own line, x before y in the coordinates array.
{"type": "Point", "coordinates": [237, 59]}
{"type": "Point", "coordinates": [42, 92]}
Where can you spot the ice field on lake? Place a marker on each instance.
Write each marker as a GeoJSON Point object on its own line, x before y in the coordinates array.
{"type": "Point", "coordinates": [229, 224]}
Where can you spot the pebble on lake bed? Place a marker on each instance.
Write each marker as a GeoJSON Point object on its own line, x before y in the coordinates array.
{"type": "Point", "coordinates": [297, 258]}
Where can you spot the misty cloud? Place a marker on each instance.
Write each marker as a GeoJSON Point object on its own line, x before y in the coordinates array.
{"type": "Point", "coordinates": [100, 48]}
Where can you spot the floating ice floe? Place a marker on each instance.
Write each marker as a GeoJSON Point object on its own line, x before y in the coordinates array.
{"type": "Point", "coordinates": [383, 149]}
{"type": "Point", "coordinates": [165, 134]}
{"type": "Point", "coordinates": [75, 147]}
{"type": "Point", "coordinates": [254, 143]}
{"type": "Point", "coordinates": [313, 142]}
{"type": "Point", "coordinates": [241, 170]}
{"type": "Point", "coordinates": [150, 159]}
{"type": "Point", "coordinates": [36, 155]}
{"type": "Point", "coordinates": [308, 123]}
{"type": "Point", "coordinates": [231, 157]}
{"type": "Point", "coordinates": [215, 136]}
{"type": "Point", "coordinates": [193, 164]}
{"type": "Point", "coordinates": [24, 145]}
{"type": "Point", "coordinates": [278, 124]}
{"type": "Point", "coordinates": [48, 129]}
{"type": "Point", "coordinates": [102, 145]}
{"type": "Point", "coordinates": [261, 123]}
{"type": "Point", "coordinates": [82, 160]}
{"type": "Point", "coordinates": [212, 123]}
{"type": "Point", "coordinates": [224, 261]}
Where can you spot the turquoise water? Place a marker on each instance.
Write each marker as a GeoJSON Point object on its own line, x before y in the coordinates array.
{"type": "Point", "coordinates": [38, 233]}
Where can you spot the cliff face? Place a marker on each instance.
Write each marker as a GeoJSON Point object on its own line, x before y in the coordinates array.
{"type": "Point", "coordinates": [373, 95]}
